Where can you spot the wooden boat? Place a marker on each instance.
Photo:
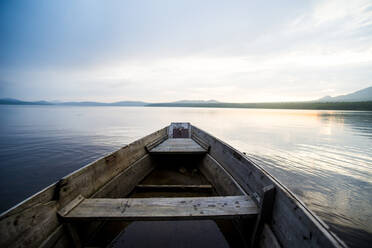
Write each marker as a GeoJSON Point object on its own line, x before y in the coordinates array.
{"type": "Point", "coordinates": [177, 186]}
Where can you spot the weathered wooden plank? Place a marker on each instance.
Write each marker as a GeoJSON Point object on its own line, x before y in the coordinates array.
{"type": "Point", "coordinates": [266, 207]}
{"type": "Point", "coordinates": [164, 208]}
{"type": "Point", "coordinates": [174, 188]}
{"type": "Point", "coordinates": [293, 224]}
{"type": "Point", "coordinates": [53, 238]}
{"type": "Point", "coordinates": [120, 186]}
{"type": "Point", "coordinates": [155, 143]}
{"type": "Point", "coordinates": [178, 146]}
{"type": "Point", "coordinates": [223, 183]}
{"type": "Point", "coordinates": [201, 143]}
{"type": "Point", "coordinates": [233, 161]}
{"type": "Point", "coordinates": [268, 239]}
{"type": "Point", "coordinates": [71, 205]}
{"type": "Point", "coordinates": [92, 177]}
{"type": "Point", "coordinates": [125, 182]}
{"type": "Point", "coordinates": [18, 227]}
{"type": "Point", "coordinates": [291, 217]}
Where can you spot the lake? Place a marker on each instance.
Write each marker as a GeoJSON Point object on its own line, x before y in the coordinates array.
{"type": "Point", "coordinates": [324, 157]}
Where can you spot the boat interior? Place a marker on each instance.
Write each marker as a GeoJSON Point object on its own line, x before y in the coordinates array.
{"type": "Point", "coordinates": [185, 199]}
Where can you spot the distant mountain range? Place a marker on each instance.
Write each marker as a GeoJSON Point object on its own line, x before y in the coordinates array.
{"type": "Point", "coordinates": [359, 100]}
{"type": "Point", "coordinates": [12, 101]}
{"type": "Point", "coordinates": [195, 102]}
{"type": "Point", "coordinates": [121, 103]}
{"type": "Point", "coordinates": [357, 96]}
{"type": "Point", "coordinates": [364, 95]}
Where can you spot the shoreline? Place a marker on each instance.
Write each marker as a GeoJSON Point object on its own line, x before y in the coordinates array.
{"type": "Point", "coordinates": [357, 106]}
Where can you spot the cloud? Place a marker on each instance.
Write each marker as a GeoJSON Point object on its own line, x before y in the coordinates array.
{"type": "Point", "coordinates": [198, 50]}
{"type": "Point", "coordinates": [356, 14]}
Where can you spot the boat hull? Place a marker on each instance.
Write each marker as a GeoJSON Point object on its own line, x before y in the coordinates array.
{"type": "Point", "coordinates": [283, 220]}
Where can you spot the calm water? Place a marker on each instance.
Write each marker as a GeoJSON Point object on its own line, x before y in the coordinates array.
{"type": "Point", "coordinates": [325, 157]}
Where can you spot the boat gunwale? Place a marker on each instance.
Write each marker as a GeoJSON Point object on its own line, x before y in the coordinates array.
{"type": "Point", "coordinates": [74, 174]}
{"type": "Point", "coordinates": [322, 226]}
{"type": "Point", "coordinates": [16, 222]}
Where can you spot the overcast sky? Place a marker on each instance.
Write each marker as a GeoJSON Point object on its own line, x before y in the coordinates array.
{"type": "Point", "coordinates": [236, 51]}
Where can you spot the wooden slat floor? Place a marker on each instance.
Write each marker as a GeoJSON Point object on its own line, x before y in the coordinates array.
{"type": "Point", "coordinates": [178, 146]}
{"type": "Point", "coordinates": [221, 207]}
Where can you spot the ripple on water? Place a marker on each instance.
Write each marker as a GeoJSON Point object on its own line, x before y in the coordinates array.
{"type": "Point", "coordinates": [324, 157]}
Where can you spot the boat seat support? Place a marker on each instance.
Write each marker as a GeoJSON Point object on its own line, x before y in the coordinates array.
{"type": "Point", "coordinates": [266, 207]}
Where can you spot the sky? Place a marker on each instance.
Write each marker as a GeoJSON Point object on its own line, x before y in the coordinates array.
{"type": "Point", "coordinates": [158, 51]}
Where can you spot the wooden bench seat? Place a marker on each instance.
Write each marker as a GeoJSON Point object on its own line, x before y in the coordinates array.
{"type": "Point", "coordinates": [178, 146]}
{"type": "Point", "coordinates": [174, 187]}
{"type": "Point", "coordinates": [160, 208]}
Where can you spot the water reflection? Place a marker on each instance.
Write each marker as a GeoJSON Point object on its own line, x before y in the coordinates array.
{"type": "Point", "coordinates": [360, 121]}
{"type": "Point", "coordinates": [324, 157]}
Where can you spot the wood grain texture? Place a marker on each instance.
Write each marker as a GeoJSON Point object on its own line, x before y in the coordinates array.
{"type": "Point", "coordinates": [225, 185]}
{"type": "Point", "coordinates": [174, 187]}
{"type": "Point", "coordinates": [221, 180]}
{"type": "Point", "coordinates": [71, 205]}
{"type": "Point", "coordinates": [201, 143]}
{"type": "Point", "coordinates": [178, 146]}
{"type": "Point", "coordinates": [92, 177]}
{"type": "Point", "coordinates": [155, 143]}
{"type": "Point", "coordinates": [53, 238]}
{"type": "Point", "coordinates": [29, 227]}
{"type": "Point", "coordinates": [122, 184]}
{"type": "Point", "coordinates": [32, 221]}
{"type": "Point", "coordinates": [268, 239]}
{"type": "Point", "coordinates": [293, 223]}
{"type": "Point", "coordinates": [164, 208]}
{"type": "Point", "coordinates": [266, 208]}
